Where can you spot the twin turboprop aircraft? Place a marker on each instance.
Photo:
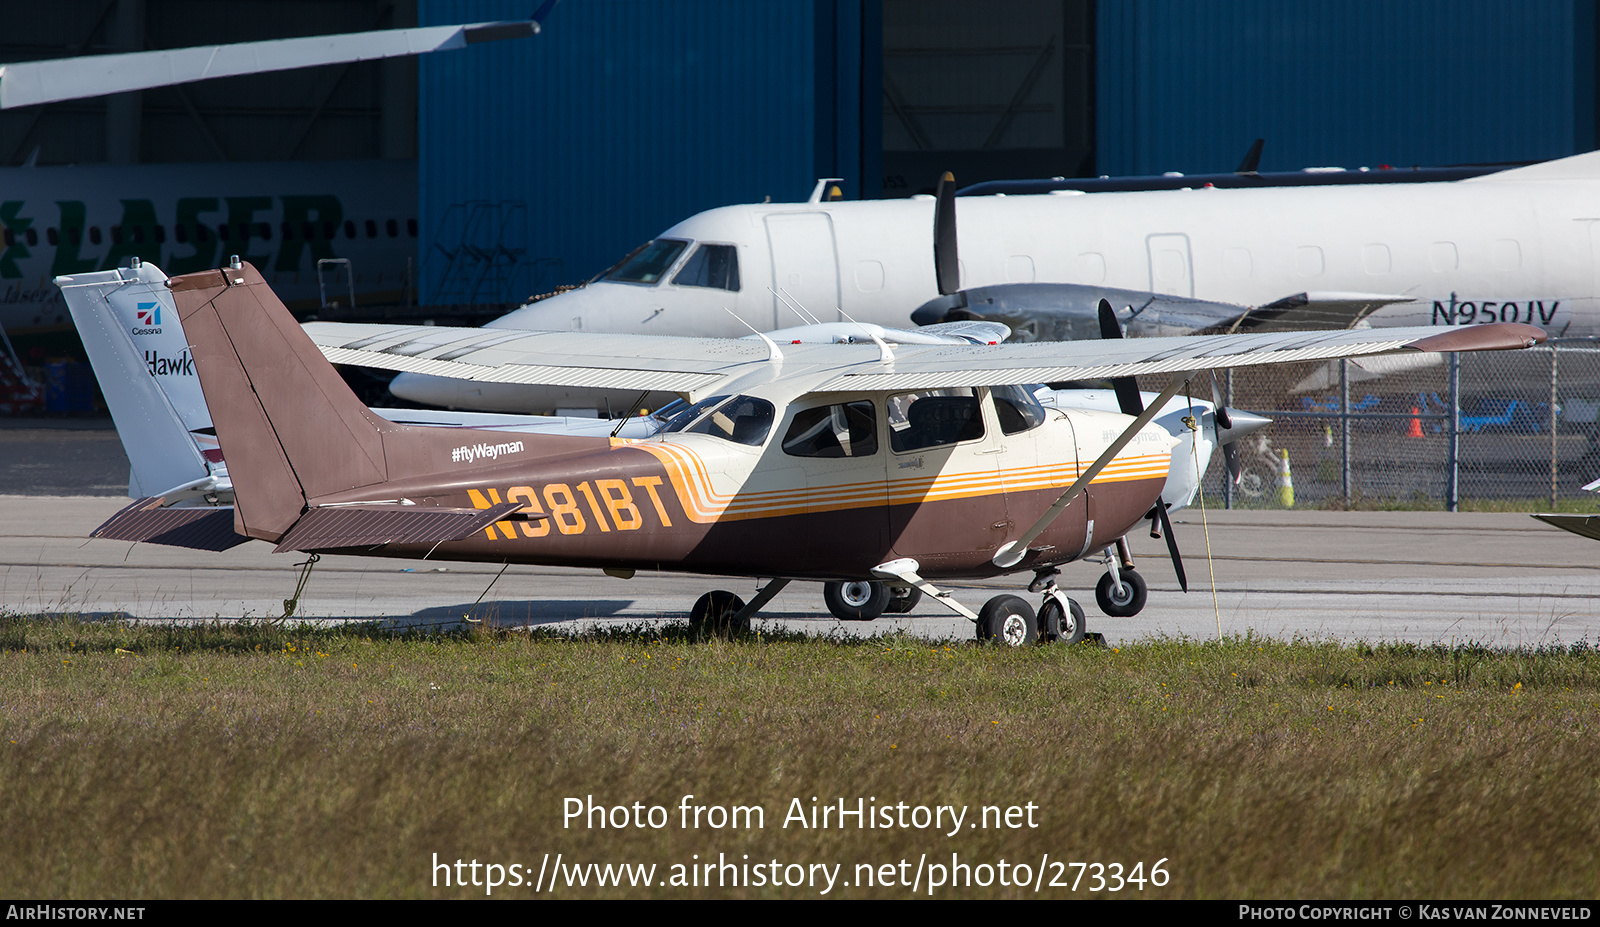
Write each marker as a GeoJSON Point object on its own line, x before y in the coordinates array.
{"type": "Point", "coordinates": [1515, 246]}
{"type": "Point", "coordinates": [909, 464]}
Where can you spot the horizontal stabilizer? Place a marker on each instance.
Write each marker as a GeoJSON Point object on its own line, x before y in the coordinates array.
{"type": "Point", "coordinates": [334, 527]}
{"type": "Point", "coordinates": [208, 528]}
{"type": "Point", "coordinates": [1586, 525]}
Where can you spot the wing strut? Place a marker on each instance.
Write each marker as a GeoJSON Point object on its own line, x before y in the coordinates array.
{"type": "Point", "coordinates": [1011, 553]}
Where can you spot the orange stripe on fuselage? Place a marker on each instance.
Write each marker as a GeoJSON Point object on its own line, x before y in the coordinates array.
{"type": "Point", "coordinates": [691, 481]}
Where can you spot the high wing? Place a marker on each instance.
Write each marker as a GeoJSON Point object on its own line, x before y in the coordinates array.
{"type": "Point", "coordinates": [33, 82]}
{"type": "Point", "coordinates": [1315, 310]}
{"type": "Point", "coordinates": [700, 367]}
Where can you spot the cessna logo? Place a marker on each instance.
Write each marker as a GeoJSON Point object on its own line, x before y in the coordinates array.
{"type": "Point", "coordinates": [147, 314]}
{"type": "Point", "coordinates": [476, 451]}
{"type": "Point", "coordinates": [180, 366]}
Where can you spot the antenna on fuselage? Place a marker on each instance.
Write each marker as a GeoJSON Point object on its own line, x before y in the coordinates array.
{"type": "Point", "coordinates": [794, 304]}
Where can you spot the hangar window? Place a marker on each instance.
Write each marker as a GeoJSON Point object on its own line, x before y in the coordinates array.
{"type": "Point", "coordinates": [741, 419]}
{"type": "Point", "coordinates": [712, 266]}
{"type": "Point", "coordinates": [650, 263]}
{"type": "Point", "coordinates": [931, 419]}
{"type": "Point", "coordinates": [843, 430]}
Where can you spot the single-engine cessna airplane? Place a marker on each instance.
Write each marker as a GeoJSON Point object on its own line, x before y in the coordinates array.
{"type": "Point", "coordinates": [129, 326]}
{"type": "Point", "coordinates": [1513, 246]}
{"type": "Point", "coordinates": [910, 465]}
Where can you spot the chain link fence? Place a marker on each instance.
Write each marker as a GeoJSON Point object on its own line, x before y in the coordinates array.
{"type": "Point", "coordinates": [1513, 430]}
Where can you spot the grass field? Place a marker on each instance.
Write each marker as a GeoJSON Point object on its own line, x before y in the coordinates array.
{"type": "Point", "coordinates": [253, 761]}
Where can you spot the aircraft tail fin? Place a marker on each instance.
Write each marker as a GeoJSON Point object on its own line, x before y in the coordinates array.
{"type": "Point", "coordinates": [300, 445]}
{"type": "Point", "coordinates": [292, 430]}
{"type": "Point", "coordinates": [130, 331]}
{"type": "Point", "coordinates": [1584, 166]}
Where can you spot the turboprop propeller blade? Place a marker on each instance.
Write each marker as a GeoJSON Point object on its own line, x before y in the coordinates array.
{"type": "Point", "coordinates": [946, 262]}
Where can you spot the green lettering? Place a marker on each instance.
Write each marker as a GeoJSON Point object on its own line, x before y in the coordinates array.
{"type": "Point", "coordinates": [73, 218]}
{"type": "Point", "coordinates": [297, 211]}
{"type": "Point", "coordinates": [137, 215]}
{"type": "Point", "coordinates": [241, 215]}
{"type": "Point", "coordinates": [16, 226]}
{"type": "Point", "coordinates": [205, 252]}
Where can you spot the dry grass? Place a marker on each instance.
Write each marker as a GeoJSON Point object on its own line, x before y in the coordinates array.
{"type": "Point", "coordinates": [246, 761]}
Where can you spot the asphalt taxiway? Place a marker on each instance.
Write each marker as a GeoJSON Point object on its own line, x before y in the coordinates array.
{"type": "Point", "coordinates": [1498, 579]}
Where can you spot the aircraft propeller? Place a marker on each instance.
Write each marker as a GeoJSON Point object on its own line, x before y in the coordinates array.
{"type": "Point", "coordinates": [1131, 403]}
{"type": "Point", "coordinates": [946, 261]}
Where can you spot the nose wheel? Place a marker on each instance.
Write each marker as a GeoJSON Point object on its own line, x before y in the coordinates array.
{"type": "Point", "coordinates": [1065, 624]}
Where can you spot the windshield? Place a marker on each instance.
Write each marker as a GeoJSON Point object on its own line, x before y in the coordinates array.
{"type": "Point", "coordinates": [650, 263]}
{"type": "Point", "coordinates": [741, 419]}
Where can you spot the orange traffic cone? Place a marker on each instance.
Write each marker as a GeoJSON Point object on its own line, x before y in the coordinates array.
{"type": "Point", "coordinates": [1415, 431]}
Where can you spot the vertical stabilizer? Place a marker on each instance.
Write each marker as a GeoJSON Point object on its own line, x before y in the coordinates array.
{"type": "Point", "coordinates": [130, 331]}
{"type": "Point", "coordinates": [290, 427]}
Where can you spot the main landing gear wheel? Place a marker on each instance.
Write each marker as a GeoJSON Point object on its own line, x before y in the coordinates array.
{"type": "Point", "coordinates": [1008, 621]}
{"type": "Point", "coordinates": [1125, 602]}
{"type": "Point", "coordinates": [860, 600]}
{"type": "Point", "coordinates": [1068, 627]}
{"type": "Point", "coordinates": [712, 616]}
{"type": "Point", "coordinates": [902, 599]}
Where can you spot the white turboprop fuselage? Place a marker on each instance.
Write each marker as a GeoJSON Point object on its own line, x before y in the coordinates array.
{"type": "Point", "coordinates": [1520, 245]}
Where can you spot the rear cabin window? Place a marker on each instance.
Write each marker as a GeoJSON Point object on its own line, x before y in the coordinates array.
{"type": "Point", "coordinates": [933, 419]}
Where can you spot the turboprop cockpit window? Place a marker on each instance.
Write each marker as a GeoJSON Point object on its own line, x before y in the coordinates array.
{"type": "Point", "coordinates": [1017, 408]}
{"type": "Point", "coordinates": [741, 419]}
{"type": "Point", "coordinates": [650, 263]}
{"type": "Point", "coordinates": [845, 430]}
{"type": "Point", "coordinates": [933, 418]}
{"type": "Point", "coordinates": [712, 266]}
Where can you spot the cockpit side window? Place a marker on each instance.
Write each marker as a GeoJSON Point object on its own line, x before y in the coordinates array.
{"type": "Point", "coordinates": [844, 430]}
{"type": "Point", "coordinates": [712, 266]}
{"type": "Point", "coordinates": [650, 263]}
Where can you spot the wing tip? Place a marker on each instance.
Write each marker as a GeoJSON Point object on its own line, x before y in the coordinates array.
{"type": "Point", "coordinates": [1499, 336]}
